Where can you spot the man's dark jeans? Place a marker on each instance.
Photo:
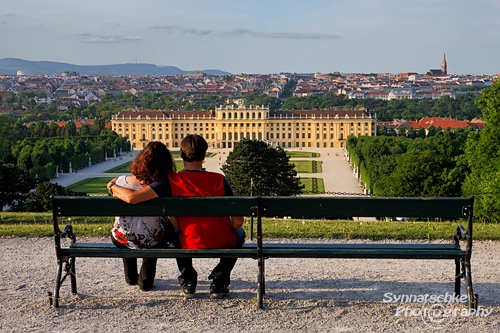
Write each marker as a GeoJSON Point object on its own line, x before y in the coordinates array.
{"type": "Point", "coordinates": [222, 270]}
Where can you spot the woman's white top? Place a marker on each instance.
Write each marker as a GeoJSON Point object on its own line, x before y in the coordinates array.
{"type": "Point", "coordinates": [136, 231]}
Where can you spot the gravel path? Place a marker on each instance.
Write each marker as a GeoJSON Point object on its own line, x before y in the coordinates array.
{"type": "Point", "coordinates": [321, 295]}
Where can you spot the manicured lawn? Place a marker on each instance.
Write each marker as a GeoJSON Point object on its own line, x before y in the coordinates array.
{"type": "Point", "coordinates": [91, 185]}
{"type": "Point", "coordinates": [296, 154]}
{"type": "Point", "coordinates": [40, 225]}
{"type": "Point", "coordinates": [307, 166]}
{"type": "Point", "coordinates": [124, 168]}
{"type": "Point", "coordinates": [312, 185]}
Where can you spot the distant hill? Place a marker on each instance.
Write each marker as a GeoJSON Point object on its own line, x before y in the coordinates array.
{"type": "Point", "coordinates": [12, 65]}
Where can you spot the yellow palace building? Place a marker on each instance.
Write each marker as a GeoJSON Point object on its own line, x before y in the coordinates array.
{"type": "Point", "coordinates": [225, 126]}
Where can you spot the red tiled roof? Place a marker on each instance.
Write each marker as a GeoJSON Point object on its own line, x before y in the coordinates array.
{"type": "Point", "coordinates": [429, 120]}
{"type": "Point", "coordinates": [452, 124]}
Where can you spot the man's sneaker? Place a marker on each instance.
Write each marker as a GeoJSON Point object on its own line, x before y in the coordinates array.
{"type": "Point", "coordinates": [145, 287]}
{"type": "Point", "coordinates": [188, 290]}
{"type": "Point", "coordinates": [218, 289]}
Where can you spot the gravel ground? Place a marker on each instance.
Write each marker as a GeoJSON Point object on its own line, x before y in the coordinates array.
{"type": "Point", "coordinates": [309, 295]}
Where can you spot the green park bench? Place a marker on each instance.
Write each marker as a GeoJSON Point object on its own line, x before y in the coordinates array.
{"type": "Point", "coordinates": [258, 207]}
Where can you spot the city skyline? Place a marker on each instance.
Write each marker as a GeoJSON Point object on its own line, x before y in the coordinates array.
{"type": "Point", "coordinates": [258, 37]}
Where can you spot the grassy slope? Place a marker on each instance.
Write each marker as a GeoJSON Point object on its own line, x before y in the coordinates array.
{"type": "Point", "coordinates": [40, 225]}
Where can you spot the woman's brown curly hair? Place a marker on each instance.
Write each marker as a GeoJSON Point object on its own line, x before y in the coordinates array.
{"type": "Point", "coordinates": [153, 163]}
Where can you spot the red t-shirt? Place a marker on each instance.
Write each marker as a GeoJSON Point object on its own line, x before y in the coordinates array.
{"type": "Point", "coordinates": [211, 232]}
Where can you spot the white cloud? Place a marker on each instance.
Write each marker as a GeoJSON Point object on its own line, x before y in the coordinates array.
{"type": "Point", "coordinates": [89, 38]}
{"type": "Point", "coordinates": [181, 29]}
{"type": "Point", "coordinates": [282, 35]}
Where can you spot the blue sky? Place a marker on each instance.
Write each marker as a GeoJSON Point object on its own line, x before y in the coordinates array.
{"type": "Point", "coordinates": [258, 36]}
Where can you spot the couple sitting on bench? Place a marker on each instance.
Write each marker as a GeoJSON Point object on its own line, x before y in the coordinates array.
{"type": "Point", "coordinates": [154, 176]}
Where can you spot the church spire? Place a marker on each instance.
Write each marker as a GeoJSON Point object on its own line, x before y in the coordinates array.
{"type": "Point", "coordinates": [444, 69]}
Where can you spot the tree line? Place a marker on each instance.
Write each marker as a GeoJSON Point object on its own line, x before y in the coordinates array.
{"type": "Point", "coordinates": [434, 166]}
{"type": "Point", "coordinates": [463, 107]}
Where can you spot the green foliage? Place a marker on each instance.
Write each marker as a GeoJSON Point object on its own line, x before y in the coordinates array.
{"type": "Point", "coordinates": [312, 185]}
{"type": "Point", "coordinates": [91, 185]}
{"type": "Point", "coordinates": [463, 107]}
{"type": "Point", "coordinates": [42, 155]}
{"type": "Point", "coordinates": [311, 102]}
{"type": "Point", "coordinates": [6, 136]}
{"type": "Point", "coordinates": [401, 166]}
{"type": "Point", "coordinates": [255, 168]}
{"type": "Point", "coordinates": [289, 88]}
{"type": "Point", "coordinates": [295, 154]}
{"type": "Point", "coordinates": [15, 185]}
{"type": "Point", "coordinates": [483, 156]}
{"type": "Point", "coordinates": [39, 201]}
{"type": "Point", "coordinates": [307, 166]}
{"type": "Point", "coordinates": [262, 99]}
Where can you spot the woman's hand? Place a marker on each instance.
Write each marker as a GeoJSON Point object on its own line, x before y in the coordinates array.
{"type": "Point", "coordinates": [111, 183]}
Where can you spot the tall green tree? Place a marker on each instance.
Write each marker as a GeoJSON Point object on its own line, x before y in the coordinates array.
{"type": "Point", "coordinates": [39, 200]}
{"type": "Point", "coordinates": [483, 156]}
{"type": "Point", "coordinates": [255, 168]}
{"type": "Point", "coordinates": [15, 185]}
{"type": "Point", "coordinates": [6, 135]}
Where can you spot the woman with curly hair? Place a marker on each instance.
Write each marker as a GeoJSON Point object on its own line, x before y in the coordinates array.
{"type": "Point", "coordinates": [154, 163]}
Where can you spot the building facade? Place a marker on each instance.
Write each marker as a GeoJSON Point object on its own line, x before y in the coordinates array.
{"type": "Point", "coordinates": [225, 126]}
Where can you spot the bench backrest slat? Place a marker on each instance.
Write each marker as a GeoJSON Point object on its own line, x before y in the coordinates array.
{"type": "Point", "coordinates": [199, 206]}
{"type": "Point", "coordinates": [347, 207]}
{"type": "Point", "coordinates": [299, 207]}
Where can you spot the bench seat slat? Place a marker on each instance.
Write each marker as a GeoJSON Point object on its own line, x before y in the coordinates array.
{"type": "Point", "coordinates": [363, 253]}
{"type": "Point", "coordinates": [333, 246]}
{"type": "Point", "coordinates": [109, 250]}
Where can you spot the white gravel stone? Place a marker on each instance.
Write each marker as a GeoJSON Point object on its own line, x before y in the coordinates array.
{"type": "Point", "coordinates": [303, 295]}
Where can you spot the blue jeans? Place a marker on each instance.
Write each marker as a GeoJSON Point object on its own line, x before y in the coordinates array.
{"type": "Point", "coordinates": [222, 270]}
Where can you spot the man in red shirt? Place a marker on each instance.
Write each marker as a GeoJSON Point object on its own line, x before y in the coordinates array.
{"type": "Point", "coordinates": [196, 232]}
{"type": "Point", "coordinates": [214, 232]}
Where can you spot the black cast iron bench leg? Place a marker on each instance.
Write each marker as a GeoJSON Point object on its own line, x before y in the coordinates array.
{"type": "Point", "coordinates": [261, 287]}
{"type": "Point", "coordinates": [72, 275]}
{"type": "Point", "coordinates": [58, 284]}
{"type": "Point", "coordinates": [458, 276]}
{"type": "Point", "coordinates": [69, 268]}
{"type": "Point", "coordinates": [468, 282]}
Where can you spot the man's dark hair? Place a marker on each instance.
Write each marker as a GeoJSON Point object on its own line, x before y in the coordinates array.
{"type": "Point", "coordinates": [193, 148]}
